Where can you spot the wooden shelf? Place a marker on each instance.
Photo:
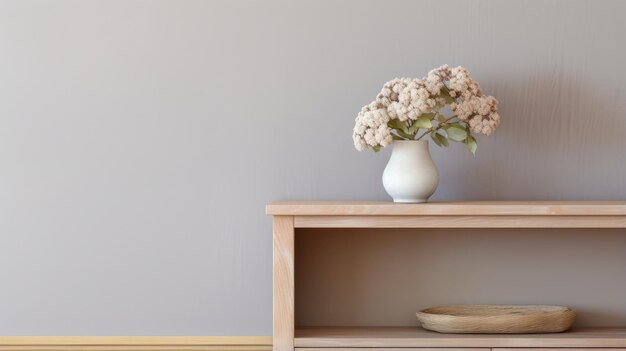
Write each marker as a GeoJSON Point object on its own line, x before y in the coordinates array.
{"type": "Point", "coordinates": [473, 214]}
{"type": "Point", "coordinates": [291, 215]}
{"type": "Point", "coordinates": [457, 208]}
{"type": "Point", "coordinates": [342, 337]}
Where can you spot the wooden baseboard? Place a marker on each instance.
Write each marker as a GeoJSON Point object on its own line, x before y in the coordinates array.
{"type": "Point", "coordinates": [135, 343]}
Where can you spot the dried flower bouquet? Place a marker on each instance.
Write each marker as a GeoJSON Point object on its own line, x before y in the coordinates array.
{"type": "Point", "coordinates": [409, 109]}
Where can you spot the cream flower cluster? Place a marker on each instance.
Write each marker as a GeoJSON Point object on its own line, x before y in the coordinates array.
{"type": "Point", "coordinates": [371, 128]}
{"type": "Point", "coordinates": [470, 105]}
{"type": "Point", "coordinates": [407, 99]}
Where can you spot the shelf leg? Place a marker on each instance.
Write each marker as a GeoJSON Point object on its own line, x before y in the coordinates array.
{"type": "Point", "coordinates": [283, 283]}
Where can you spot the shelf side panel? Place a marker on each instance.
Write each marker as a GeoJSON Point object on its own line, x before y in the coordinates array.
{"type": "Point", "coordinates": [283, 283]}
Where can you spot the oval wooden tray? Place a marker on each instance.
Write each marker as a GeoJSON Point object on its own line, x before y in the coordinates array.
{"type": "Point", "coordinates": [497, 319]}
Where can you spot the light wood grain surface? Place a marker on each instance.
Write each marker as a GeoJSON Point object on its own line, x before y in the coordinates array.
{"type": "Point", "coordinates": [509, 214]}
{"type": "Point", "coordinates": [460, 208]}
{"type": "Point", "coordinates": [283, 283]}
{"type": "Point", "coordinates": [475, 221]}
{"type": "Point", "coordinates": [417, 337]}
{"type": "Point", "coordinates": [135, 343]}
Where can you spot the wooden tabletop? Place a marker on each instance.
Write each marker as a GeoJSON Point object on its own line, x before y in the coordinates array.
{"type": "Point", "coordinates": [452, 208]}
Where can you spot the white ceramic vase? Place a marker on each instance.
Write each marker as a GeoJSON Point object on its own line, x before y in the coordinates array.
{"type": "Point", "coordinates": [411, 174]}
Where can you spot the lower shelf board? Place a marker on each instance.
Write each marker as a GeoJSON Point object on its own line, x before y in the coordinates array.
{"type": "Point", "coordinates": [391, 337]}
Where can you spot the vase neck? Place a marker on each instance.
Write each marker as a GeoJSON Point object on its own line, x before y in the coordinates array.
{"type": "Point", "coordinates": [411, 145]}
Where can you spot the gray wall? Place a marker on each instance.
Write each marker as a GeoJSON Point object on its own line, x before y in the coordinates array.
{"type": "Point", "coordinates": [140, 140]}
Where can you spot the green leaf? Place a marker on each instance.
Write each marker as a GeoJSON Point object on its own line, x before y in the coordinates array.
{"type": "Point", "coordinates": [376, 148]}
{"type": "Point", "coordinates": [459, 125]}
{"type": "Point", "coordinates": [401, 128]}
{"type": "Point", "coordinates": [405, 135]}
{"type": "Point", "coordinates": [442, 139]}
{"type": "Point", "coordinates": [433, 136]}
{"type": "Point", "coordinates": [441, 118]}
{"type": "Point", "coordinates": [470, 144]}
{"type": "Point", "coordinates": [456, 133]}
{"type": "Point", "coordinates": [398, 125]}
{"type": "Point", "coordinates": [430, 116]}
{"type": "Point", "coordinates": [423, 122]}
